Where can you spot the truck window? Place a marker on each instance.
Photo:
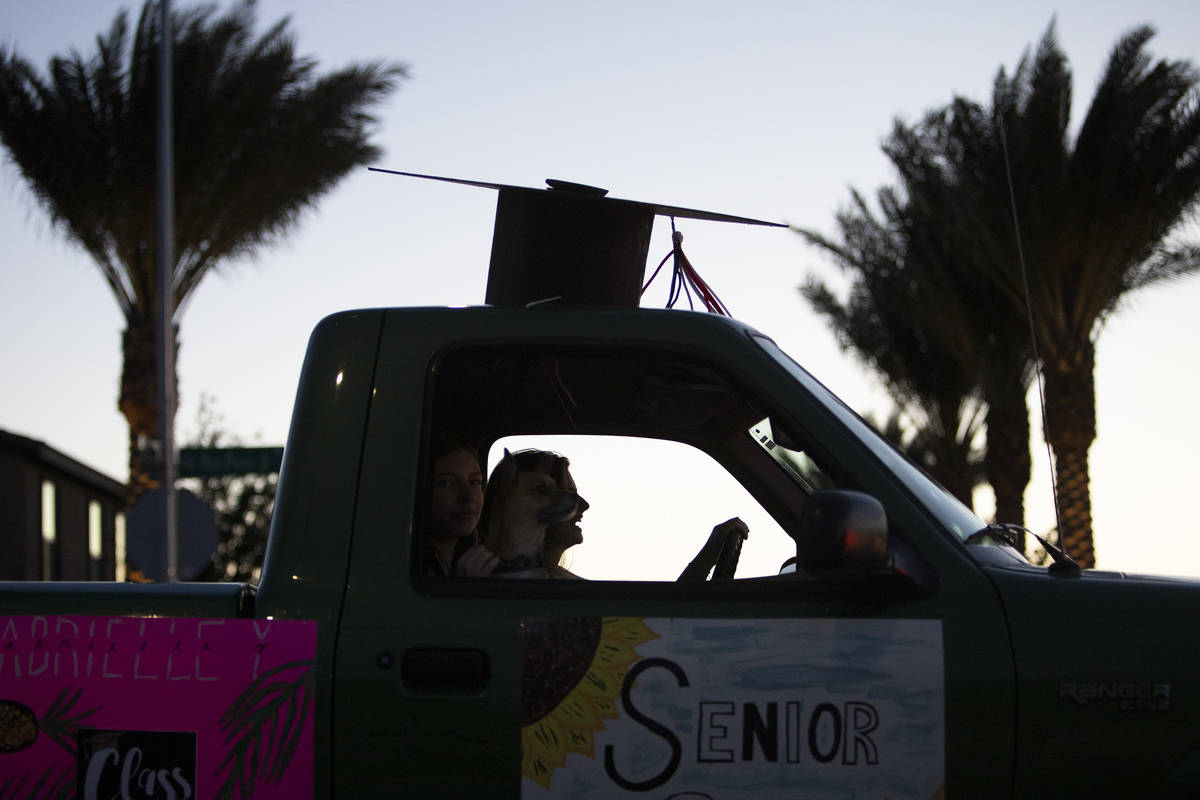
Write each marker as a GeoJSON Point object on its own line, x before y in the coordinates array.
{"type": "Point", "coordinates": [664, 446]}
{"type": "Point", "coordinates": [652, 504]}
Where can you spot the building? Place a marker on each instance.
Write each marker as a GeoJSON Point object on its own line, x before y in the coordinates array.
{"type": "Point", "coordinates": [59, 519]}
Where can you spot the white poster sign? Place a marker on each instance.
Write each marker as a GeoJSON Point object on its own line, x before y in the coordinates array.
{"type": "Point", "coordinates": [729, 708]}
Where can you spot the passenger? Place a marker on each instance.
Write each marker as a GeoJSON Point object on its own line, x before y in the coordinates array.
{"type": "Point", "coordinates": [452, 546]}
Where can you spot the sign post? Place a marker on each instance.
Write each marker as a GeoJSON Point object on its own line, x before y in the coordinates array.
{"type": "Point", "coordinates": [165, 268]}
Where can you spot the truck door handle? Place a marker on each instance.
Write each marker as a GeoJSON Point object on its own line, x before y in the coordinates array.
{"type": "Point", "coordinates": [445, 670]}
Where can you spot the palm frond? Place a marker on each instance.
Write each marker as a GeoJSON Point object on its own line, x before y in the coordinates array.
{"type": "Point", "coordinates": [262, 727]}
{"type": "Point", "coordinates": [260, 136]}
{"type": "Point", "coordinates": [54, 783]}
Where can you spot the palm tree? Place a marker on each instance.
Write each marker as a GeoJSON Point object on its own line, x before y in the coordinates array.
{"type": "Point", "coordinates": [987, 339]}
{"type": "Point", "coordinates": [1096, 219]}
{"type": "Point", "coordinates": [1091, 221]}
{"type": "Point", "coordinates": [259, 136]}
{"type": "Point", "coordinates": [914, 353]}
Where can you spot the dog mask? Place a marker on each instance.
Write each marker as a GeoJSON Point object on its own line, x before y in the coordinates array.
{"type": "Point", "coordinates": [525, 495]}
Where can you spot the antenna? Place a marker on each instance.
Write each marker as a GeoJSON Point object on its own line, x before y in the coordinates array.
{"type": "Point", "coordinates": [1037, 359]}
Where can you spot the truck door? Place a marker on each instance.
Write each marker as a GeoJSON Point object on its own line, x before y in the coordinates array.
{"type": "Point", "coordinates": [619, 680]}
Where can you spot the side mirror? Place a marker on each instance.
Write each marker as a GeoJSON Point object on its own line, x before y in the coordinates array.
{"type": "Point", "coordinates": [841, 530]}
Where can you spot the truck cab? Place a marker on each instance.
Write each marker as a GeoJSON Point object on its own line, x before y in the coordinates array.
{"type": "Point", "coordinates": [856, 651]}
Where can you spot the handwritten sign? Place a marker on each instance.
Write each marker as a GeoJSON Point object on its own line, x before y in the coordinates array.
{"type": "Point", "coordinates": [618, 707]}
{"type": "Point", "coordinates": [156, 708]}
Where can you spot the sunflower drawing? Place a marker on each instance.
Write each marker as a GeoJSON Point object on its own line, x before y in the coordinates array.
{"type": "Point", "coordinates": [572, 676]}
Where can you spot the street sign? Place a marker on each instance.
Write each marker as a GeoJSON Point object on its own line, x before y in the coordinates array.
{"type": "Point", "coordinates": [212, 462]}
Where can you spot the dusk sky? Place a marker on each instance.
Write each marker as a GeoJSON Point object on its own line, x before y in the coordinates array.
{"type": "Point", "coordinates": [771, 110]}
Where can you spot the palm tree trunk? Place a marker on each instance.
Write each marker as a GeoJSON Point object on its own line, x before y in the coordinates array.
{"type": "Point", "coordinates": [1006, 460]}
{"type": "Point", "coordinates": [1071, 429]}
{"type": "Point", "coordinates": [139, 403]}
{"type": "Point", "coordinates": [953, 469]}
{"type": "Point", "coordinates": [1075, 505]}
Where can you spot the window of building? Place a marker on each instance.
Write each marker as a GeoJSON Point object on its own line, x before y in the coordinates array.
{"type": "Point", "coordinates": [49, 532]}
{"type": "Point", "coordinates": [95, 540]}
{"type": "Point", "coordinates": [119, 547]}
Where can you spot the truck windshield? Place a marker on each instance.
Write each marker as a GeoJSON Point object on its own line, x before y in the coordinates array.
{"type": "Point", "coordinates": [946, 507]}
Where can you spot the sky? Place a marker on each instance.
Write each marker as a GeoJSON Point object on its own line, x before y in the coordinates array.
{"type": "Point", "coordinates": [772, 110]}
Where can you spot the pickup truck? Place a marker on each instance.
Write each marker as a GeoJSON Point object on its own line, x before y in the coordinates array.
{"type": "Point", "coordinates": [877, 638]}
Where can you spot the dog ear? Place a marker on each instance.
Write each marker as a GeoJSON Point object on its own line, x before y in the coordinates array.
{"type": "Point", "coordinates": [507, 468]}
{"type": "Point", "coordinates": [503, 476]}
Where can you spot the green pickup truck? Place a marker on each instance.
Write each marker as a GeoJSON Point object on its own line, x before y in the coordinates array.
{"type": "Point", "coordinates": [877, 640]}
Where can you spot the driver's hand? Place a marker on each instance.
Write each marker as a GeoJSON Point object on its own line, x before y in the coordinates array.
{"type": "Point", "coordinates": [476, 562]}
{"type": "Point", "coordinates": [706, 559]}
{"type": "Point", "coordinates": [722, 533]}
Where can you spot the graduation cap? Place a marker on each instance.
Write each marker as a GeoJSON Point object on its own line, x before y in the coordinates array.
{"type": "Point", "coordinates": [570, 243]}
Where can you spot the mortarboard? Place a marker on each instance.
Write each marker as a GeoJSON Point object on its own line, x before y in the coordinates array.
{"type": "Point", "coordinates": [570, 243]}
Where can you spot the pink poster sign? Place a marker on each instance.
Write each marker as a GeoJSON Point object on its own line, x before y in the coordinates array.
{"type": "Point", "coordinates": [131, 708]}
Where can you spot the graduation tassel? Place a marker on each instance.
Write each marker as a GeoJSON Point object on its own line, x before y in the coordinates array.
{"type": "Point", "coordinates": [685, 279]}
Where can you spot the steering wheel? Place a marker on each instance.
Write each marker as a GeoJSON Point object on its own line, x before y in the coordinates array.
{"type": "Point", "coordinates": [727, 561]}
